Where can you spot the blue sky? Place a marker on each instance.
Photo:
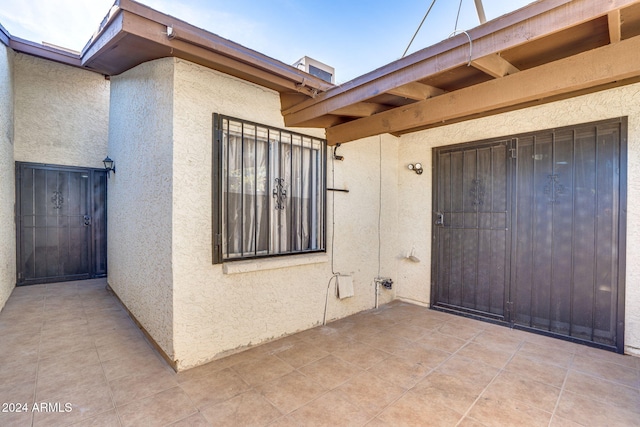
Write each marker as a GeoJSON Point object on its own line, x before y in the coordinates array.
{"type": "Point", "coordinates": [354, 36]}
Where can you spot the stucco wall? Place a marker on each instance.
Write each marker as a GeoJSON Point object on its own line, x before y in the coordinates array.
{"type": "Point", "coordinates": [61, 113]}
{"type": "Point", "coordinates": [7, 177]}
{"type": "Point", "coordinates": [140, 196]}
{"type": "Point", "coordinates": [415, 195]}
{"type": "Point", "coordinates": [216, 312]}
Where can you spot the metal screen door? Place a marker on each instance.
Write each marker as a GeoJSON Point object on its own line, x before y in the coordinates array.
{"type": "Point", "coordinates": [553, 263]}
{"type": "Point", "coordinates": [61, 223]}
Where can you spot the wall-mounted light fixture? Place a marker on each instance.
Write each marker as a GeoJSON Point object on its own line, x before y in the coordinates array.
{"type": "Point", "coordinates": [109, 166]}
{"type": "Point", "coordinates": [416, 167]}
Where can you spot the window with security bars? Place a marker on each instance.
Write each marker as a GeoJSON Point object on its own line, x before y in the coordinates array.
{"type": "Point", "coordinates": [268, 191]}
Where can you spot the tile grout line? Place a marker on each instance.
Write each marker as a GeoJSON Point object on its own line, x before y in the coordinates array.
{"type": "Point", "coordinates": [500, 371]}
{"type": "Point", "coordinates": [562, 389]}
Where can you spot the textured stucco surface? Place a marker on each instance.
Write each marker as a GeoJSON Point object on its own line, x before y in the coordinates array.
{"type": "Point", "coordinates": [61, 113]}
{"type": "Point", "coordinates": [140, 196]}
{"type": "Point", "coordinates": [7, 177]}
{"type": "Point", "coordinates": [415, 194]}
{"type": "Point", "coordinates": [216, 312]}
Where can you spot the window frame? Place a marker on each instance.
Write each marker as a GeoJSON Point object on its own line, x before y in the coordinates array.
{"type": "Point", "coordinates": [318, 187]}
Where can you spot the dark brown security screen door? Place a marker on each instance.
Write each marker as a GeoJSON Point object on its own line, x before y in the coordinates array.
{"type": "Point", "coordinates": [471, 231]}
{"type": "Point", "coordinates": [61, 223]}
{"type": "Point", "coordinates": [566, 233]}
{"type": "Point", "coordinates": [558, 268]}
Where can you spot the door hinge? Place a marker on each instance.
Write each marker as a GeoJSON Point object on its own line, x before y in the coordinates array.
{"type": "Point", "coordinates": [218, 239]}
{"type": "Point", "coordinates": [509, 306]}
{"type": "Point", "coordinates": [514, 153]}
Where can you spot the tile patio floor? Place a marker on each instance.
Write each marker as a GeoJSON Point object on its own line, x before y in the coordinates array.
{"type": "Point", "coordinates": [398, 365]}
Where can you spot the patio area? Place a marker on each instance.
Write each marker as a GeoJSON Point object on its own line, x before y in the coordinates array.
{"type": "Point", "coordinates": [73, 343]}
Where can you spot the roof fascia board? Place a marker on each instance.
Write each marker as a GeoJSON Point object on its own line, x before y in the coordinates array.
{"type": "Point", "coordinates": [588, 70]}
{"type": "Point", "coordinates": [188, 33]}
{"type": "Point", "coordinates": [4, 36]}
{"type": "Point", "coordinates": [138, 26]}
{"type": "Point", "coordinates": [108, 34]}
{"type": "Point", "coordinates": [529, 23]}
{"type": "Point", "coordinates": [46, 52]}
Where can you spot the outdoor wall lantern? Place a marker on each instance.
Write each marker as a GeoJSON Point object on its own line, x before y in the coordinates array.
{"type": "Point", "coordinates": [416, 167]}
{"type": "Point", "coordinates": [109, 166]}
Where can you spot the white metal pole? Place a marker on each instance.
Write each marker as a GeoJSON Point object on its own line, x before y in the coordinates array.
{"type": "Point", "coordinates": [480, 10]}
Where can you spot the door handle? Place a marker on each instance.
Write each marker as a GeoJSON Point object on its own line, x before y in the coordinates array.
{"type": "Point", "coordinates": [439, 219]}
{"type": "Point", "coordinates": [87, 220]}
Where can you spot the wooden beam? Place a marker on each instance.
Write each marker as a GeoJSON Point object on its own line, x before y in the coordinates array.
{"type": "Point", "coordinates": [362, 109]}
{"type": "Point", "coordinates": [589, 69]}
{"type": "Point", "coordinates": [615, 30]}
{"type": "Point", "coordinates": [416, 91]}
{"type": "Point", "coordinates": [533, 22]}
{"type": "Point", "coordinates": [494, 65]}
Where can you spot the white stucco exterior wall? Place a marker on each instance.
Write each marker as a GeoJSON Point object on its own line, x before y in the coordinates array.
{"type": "Point", "coordinates": [140, 193]}
{"type": "Point", "coordinates": [61, 113]}
{"type": "Point", "coordinates": [7, 177]}
{"type": "Point", "coordinates": [216, 312]}
{"type": "Point", "coordinates": [415, 195]}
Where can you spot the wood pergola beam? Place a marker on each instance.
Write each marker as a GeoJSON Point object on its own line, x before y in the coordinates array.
{"type": "Point", "coordinates": [586, 70]}
{"type": "Point", "coordinates": [494, 65]}
{"type": "Point", "coordinates": [416, 91]}
{"type": "Point", "coordinates": [615, 26]}
{"type": "Point", "coordinates": [524, 25]}
{"type": "Point", "coordinates": [362, 109]}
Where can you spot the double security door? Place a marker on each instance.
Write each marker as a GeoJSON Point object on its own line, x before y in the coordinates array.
{"type": "Point", "coordinates": [528, 231]}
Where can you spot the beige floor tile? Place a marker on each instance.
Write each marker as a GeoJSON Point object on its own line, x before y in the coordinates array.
{"type": "Point", "coordinates": [370, 393]}
{"type": "Point", "coordinates": [330, 371]}
{"type": "Point", "coordinates": [557, 421]}
{"type": "Point", "coordinates": [469, 370]}
{"type": "Point", "coordinates": [503, 339]}
{"type": "Point", "coordinates": [554, 344]}
{"type": "Point", "coordinates": [400, 372]}
{"type": "Point", "coordinates": [450, 391]}
{"type": "Point", "coordinates": [134, 387]}
{"type": "Point", "coordinates": [106, 419]}
{"type": "Point", "coordinates": [54, 382]}
{"type": "Point", "coordinates": [388, 343]}
{"type": "Point", "coordinates": [495, 357]}
{"type": "Point", "coordinates": [60, 345]}
{"type": "Point", "coordinates": [360, 354]}
{"type": "Point", "coordinates": [530, 366]}
{"type": "Point", "coordinates": [459, 331]}
{"type": "Point", "coordinates": [331, 409]}
{"type": "Point", "coordinates": [589, 412]}
{"type": "Point", "coordinates": [204, 370]}
{"type": "Point", "coordinates": [248, 409]}
{"type": "Point", "coordinates": [195, 420]}
{"type": "Point", "coordinates": [300, 354]}
{"type": "Point", "coordinates": [422, 354]}
{"type": "Point", "coordinates": [160, 409]}
{"type": "Point", "coordinates": [133, 364]}
{"type": "Point", "coordinates": [52, 364]}
{"type": "Point", "coordinates": [18, 370]}
{"type": "Point", "coordinates": [442, 342]}
{"type": "Point", "coordinates": [85, 403]}
{"type": "Point", "coordinates": [262, 370]}
{"type": "Point", "coordinates": [609, 356]}
{"type": "Point", "coordinates": [606, 391]}
{"type": "Point", "coordinates": [291, 391]}
{"type": "Point", "coordinates": [542, 354]}
{"type": "Point", "coordinates": [493, 411]}
{"type": "Point", "coordinates": [508, 385]}
{"type": "Point", "coordinates": [470, 422]}
{"type": "Point", "coordinates": [607, 370]}
{"type": "Point", "coordinates": [16, 418]}
{"type": "Point", "coordinates": [412, 409]}
{"type": "Point", "coordinates": [214, 388]}
{"type": "Point", "coordinates": [410, 331]}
